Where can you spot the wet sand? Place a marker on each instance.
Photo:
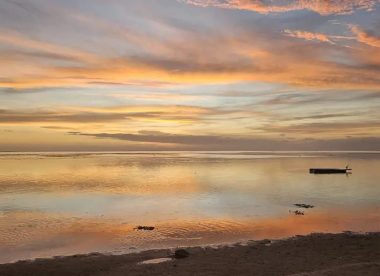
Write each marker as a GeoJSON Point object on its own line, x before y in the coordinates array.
{"type": "Point", "coordinates": [315, 254]}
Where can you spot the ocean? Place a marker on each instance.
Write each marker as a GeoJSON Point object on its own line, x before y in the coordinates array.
{"type": "Point", "coordinates": [54, 204]}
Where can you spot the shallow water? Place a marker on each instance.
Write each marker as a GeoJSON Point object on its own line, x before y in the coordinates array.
{"type": "Point", "coordinates": [156, 261]}
{"type": "Point", "coordinates": [68, 203]}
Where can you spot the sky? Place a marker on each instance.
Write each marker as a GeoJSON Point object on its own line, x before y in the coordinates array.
{"type": "Point", "coordinates": [95, 75]}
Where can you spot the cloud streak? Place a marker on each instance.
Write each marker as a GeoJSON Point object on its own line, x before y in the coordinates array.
{"type": "Point", "coordinates": [326, 129]}
{"type": "Point", "coordinates": [262, 6]}
{"type": "Point", "coordinates": [218, 142]}
{"type": "Point", "coordinates": [84, 115]}
{"type": "Point", "coordinates": [232, 64]}
{"type": "Point", "coordinates": [308, 35]}
{"type": "Point", "coordinates": [366, 37]}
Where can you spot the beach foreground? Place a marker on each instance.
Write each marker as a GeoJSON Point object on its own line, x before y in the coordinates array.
{"type": "Point", "coordinates": [315, 254]}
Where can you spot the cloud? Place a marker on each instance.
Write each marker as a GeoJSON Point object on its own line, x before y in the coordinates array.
{"type": "Point", "coordinates": [366, 37]}
{"type": "Point", "coordinates": [161, 137]}
{"type": "Point", "coordinates": [13, 118]}
{"type": "Point", "coordinates": [217, 142]}
{"type": "Point", "coordinates": [15, 91]}
{"type": "Point", "coordinates": [298, 67]}
{"type": "Point", "coordinates": [43, 48]}
{"type": "Point", "coordinates": [323, 116]}
{"type": "Point", "coordinates": [83, 115]}
{"type": "Point", "coordinates": [321, 98]}
{"type": "Point", "coordinates": [308, 35]}
{"type": "Point", "coordinates": [322, 7]}
{"type": "Point", "coordinates": [162, 96]}
{"type": "Point", "coordinates": [188, 56]}
{"type": "Point", "coordinates": [325, 128]}
{"type": "Point", "coordinates": [56, 127]}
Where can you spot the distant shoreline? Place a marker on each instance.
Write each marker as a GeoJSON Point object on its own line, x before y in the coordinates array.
{"type": "Point", "coordinates": [315, 254]}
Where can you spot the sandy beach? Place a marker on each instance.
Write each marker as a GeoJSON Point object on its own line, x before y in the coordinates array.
{"type": "Point", "coordinates": [314, 254]}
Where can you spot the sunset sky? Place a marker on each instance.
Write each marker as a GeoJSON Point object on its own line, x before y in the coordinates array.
{"type": "Point", "coordinates": [189, 75]}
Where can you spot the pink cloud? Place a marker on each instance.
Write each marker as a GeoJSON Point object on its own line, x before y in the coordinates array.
{"type": "Point", "coordinates": [366, 37]}
{"type": "Point", "coordinates": [322, 7]}
{"type": "Point", "coordinates": [308, 35]}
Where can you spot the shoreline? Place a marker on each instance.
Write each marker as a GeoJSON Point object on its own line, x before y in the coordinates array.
{"type": "Point", "coordinates": [345, 253]}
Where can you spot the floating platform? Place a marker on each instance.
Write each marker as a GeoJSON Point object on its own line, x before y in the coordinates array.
{"type": "Point", "coordinates": [329, 170]}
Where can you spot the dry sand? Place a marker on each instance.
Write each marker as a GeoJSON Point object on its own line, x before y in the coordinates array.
{"type": "Point", "coordinates": [315, 254]}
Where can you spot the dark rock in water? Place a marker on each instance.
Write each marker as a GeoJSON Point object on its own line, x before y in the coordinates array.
{"type": "Point", "coordinates": [346, 170]}
{"type": "Point", "coordinates": [298, 213]}
{"type": "Point", "coordinates": [301, 205]}
{"type": "Point", "coordinates": [181, 253]}
{"type": "Point", "coordinates": [264, 242]}
{"type": "Point", "coordinates": [149, 228]}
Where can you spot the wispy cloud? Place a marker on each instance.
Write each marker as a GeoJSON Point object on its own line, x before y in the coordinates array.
{"type": "Point", "coordinates": [326, 129]}
{"type": "Point", "coordinates": [366, 37]}
{"type": "Point", "coordinates": [261, 6]}
{"type": "Point", "coordinates": [234, 61]}
{"type": "Point", "coordinates": [42, 48]}
{"type": "Point", "coordinates": [308, 35]}
{"type": "Point", "coordinates": [187, 56]}
{"type": "Point", "coordinates": [217, 142]}
{"type": "Point", "coordinates": [84, 115]}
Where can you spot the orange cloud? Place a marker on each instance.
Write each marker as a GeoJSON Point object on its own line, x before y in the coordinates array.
{"type": "Point", "coordinates": [87, 115]}
{"type": "Point", "coordinates": [185, 59]}
{"type": "Point", "coordinates": [308, 35]}
{"type": "Point", "coordinates": [322, 7]}
{"type": "Point", "coordinates": [366, 37]}
{"type": "Point", "coordinates": [294, 69]}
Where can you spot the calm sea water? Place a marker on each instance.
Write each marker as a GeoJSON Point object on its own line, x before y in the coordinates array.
{"type": "Point", "coordinates": [67, 203]}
